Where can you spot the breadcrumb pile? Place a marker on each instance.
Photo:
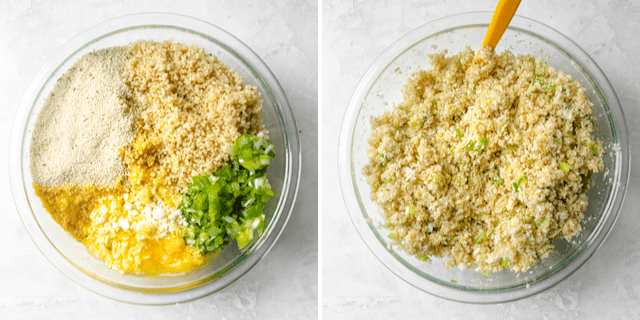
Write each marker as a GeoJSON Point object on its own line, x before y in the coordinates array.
{"type": "Point", "coordinates": [485, 162]}
{"type": "Point", "coordinates": [193, 107]}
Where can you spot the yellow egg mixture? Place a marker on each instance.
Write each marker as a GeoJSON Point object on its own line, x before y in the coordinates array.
{"type": "Point", "coordinates": [97, 217]}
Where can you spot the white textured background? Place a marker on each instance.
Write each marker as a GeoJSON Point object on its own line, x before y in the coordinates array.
{"type": "Point", "coordinates": [282, 286]}
{"type": "Point", "coordinates": [355, 284]}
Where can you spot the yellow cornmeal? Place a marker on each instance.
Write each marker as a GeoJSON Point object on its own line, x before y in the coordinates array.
{"type": "Point", "coordinates": [71, 205]}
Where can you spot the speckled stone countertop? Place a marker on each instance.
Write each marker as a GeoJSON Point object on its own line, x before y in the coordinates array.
{"type": "Point", "coordinates": [355, 284]}
{"type": "Point", "coordinates": [284, 285]}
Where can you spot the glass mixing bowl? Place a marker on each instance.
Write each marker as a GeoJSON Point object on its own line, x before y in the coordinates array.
{"type": "Point", "coordinates": [70, 256]}
{"type": "Point", "coordinates": [380, 88]}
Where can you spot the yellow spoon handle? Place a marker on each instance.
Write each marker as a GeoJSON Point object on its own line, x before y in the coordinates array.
{"type": "Point", "coordinates": [499, 22]}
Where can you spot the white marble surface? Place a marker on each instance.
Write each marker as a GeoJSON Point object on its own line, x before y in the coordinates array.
{"type": "Point", "coordinates": [355, 285]}
{"type": "Point", "coordinates": [282, 286]}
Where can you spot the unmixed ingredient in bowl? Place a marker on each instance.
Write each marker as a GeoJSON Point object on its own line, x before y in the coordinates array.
{"type": "Point", "coordinates": [194, 107]}
{"type": "Point", "coordinates": [486, 162]}
{"type": "Point", "coordinates": [118, 139]}
{"type": "Point", "coordinates": [228, 204]}
{"type": "Point", "coordinates": [87, 115]}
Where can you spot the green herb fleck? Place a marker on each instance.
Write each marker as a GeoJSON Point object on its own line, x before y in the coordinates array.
{"type": "Point", "coordinates": [470, 145]}
{"type": "Point", "coordinates": [384, 158]}
{"type": "Point", "coordinates": [482, 143]}
{"type": "Point", "coordinates": [542, 221]}
{"type": "Point", "coordinates": [423, 258]}
{"type": "Point", "coordinates": [481, 237]}
{"type": "Point", "coordinates": [539, 71]}
{"type": "Point", "coordinates": [412, 210]}
{"type": "Point", "coordinates": [453, 281]}
{"type": "Point", "coordinates": [550, 88]}
{"type": "Point", "coordinates": [389, 180]}
{"type": "Point", "coordinates": [532, 60]}
{"type": "Point", "coordinates": [392, 236]}
{"type": "Point", "coordinates": [486, 273]}
{"type": "Point", "coordinates": [520, 181]}
{"type": "Point", "coordinates": [539, 80]}
{"type": "Point", "coordinates": [564, 89]}
{"type": "Point", "coordinates": [550, 249]}
{"type": "Point", "coordinates": [593, 149]}
{"type": "Point", "coordinates": [459, 133]}
{"type": "Point", "coordinates": [433, 103]}
{"type": "Point", "coordinates": [565, 167]}
{"type": "Point", "coordinates": [504, 262]}
{"type": "Point", "coordinates": [511, 148]}
{"type": "Point", "coordinates": [498, 181]}
{"type": "Point", "coordinates": [414, 124]}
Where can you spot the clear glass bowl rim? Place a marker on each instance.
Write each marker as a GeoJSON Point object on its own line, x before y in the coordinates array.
{"type": "Point", "coordinates": [358, 214]}
{"type": "Point", "coordinates": [287, 124]}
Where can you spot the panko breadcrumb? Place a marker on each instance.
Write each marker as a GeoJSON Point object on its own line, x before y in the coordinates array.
{"type": "Point", "coordinates": [484, 162]}
{"type": "Point", "coordinates": [193, 107]}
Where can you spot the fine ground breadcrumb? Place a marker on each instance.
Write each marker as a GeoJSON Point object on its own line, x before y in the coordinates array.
{"type": "Point", "coordinates": [484, 163]}
{"type": "Point", "coordinates": [84, 122]}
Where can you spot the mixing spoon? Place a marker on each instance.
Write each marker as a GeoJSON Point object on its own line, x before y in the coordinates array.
{"type": "Point", "coordinates": [505, 10]}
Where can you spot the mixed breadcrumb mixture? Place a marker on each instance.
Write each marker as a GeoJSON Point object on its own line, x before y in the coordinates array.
{"type": "Point", "coordinates": [120, 137]}
{"type": "Point", "coordinates": [484, 162]}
